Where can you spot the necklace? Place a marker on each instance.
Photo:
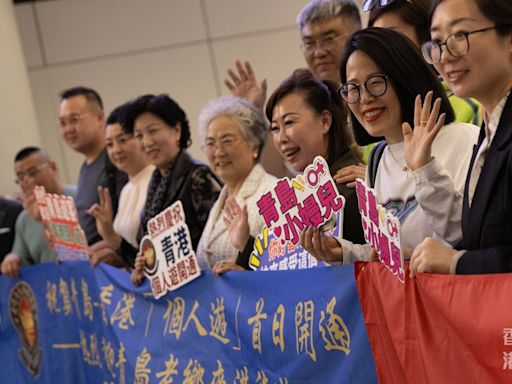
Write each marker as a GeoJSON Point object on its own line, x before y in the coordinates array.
{"type": "Point", "coordinates": [403, 167]}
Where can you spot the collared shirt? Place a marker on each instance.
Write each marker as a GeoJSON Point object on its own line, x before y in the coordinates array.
{"type": "Point", "coordinates": [491, 125]}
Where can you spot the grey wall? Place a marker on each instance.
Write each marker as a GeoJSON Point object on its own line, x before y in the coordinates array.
{"type": "Point", "coordinates": [124, 48]}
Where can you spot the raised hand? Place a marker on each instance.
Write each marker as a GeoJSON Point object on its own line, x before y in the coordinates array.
{"type": "Point", "coordinates": [427, 123]}
{"type": "Point", "coordinates": [243, 84]}
{"type": "Point", "coordinates": [104, 215]}
{"type": "Point", "coordinates": [237, 222]}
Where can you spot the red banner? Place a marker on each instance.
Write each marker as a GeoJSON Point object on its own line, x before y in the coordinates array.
{"type": "Point", "coordinates": [437, 328]}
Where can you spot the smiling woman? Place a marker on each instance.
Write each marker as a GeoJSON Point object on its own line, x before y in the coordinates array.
{"type": "Point", "coordinates": [233, 133]}
{"type": "Point", "coordinates": [161, 128]}
{"type": "Point", "coordinates": [307, 121]}
{"type": "Point", "coordinates": [421, 173]}
{"type": "Point", "coordinates": [125, 153]}
{"type": "Point", "coordinates": [471, 48]}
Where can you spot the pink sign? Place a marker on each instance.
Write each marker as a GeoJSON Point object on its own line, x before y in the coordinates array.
{"type": "Point", "coordinates": [381, 229]}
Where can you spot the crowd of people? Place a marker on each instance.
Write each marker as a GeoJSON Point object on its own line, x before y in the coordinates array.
{"type": "Point", "coordinates": [416, 104]}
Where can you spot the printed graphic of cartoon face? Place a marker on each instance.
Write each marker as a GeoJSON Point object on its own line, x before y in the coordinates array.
{"type": "Point", "coordinates": [149, 254]}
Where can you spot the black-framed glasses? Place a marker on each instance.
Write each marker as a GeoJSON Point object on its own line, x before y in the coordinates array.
{"type": "Point", "coordinates": [375, 85]}
{"type": "Point", "coordinates": [368, 5]}
{"type": "Point", "coordinates": [457, 44]}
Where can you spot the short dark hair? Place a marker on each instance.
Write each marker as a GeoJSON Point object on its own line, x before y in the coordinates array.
{"type": "Point", "coordinates": [26, 152]}
{"type": "Point", "coordinates": [118, 116]}
{"type": "Point", "coordinates": [415, 13]}
{"type": "Point", "coordinates": [164, 108]}
{"type": "Point", "coordinates": [320, 96]}
{"type": "Point", "coordinates": [498, 11]}
{"type": "Point", "coordinates": [400, 60]}
{"type": "Point", "coordinates": [90, 94]}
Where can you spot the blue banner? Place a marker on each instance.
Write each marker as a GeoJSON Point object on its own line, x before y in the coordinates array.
{"type": "Point", "coordinates": [74, 324]}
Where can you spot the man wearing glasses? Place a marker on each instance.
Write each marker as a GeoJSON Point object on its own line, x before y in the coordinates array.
{"type": "Point", "coordinates": [33, 167]}
{"type": "Point", "coordinates": [324, 26]}
{"type": "Point", "coordinates": [81, 124]}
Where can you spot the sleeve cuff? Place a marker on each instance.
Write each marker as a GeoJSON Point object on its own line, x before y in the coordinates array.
{"type": "Point", "coordinates": [423, 174]}
{"type": "Point", "coordinates": [243, 257]}
{"type": "Point", "coordinates": [455, 260]}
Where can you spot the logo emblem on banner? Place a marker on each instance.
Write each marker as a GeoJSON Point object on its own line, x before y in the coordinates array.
{"type": "Point", "coordinates": [170, 260]}
{"type": "Point", "coordinates": [23, 314]}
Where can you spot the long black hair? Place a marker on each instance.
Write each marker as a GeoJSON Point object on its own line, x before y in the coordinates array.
{"type": "Point", "coordinates": [400, 60]}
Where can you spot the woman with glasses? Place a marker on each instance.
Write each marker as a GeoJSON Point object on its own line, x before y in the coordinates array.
{"type": "Point", "coordinates": [233, 134]}
{"type": "Point", "coordinates": [412, 18]}
{"type": "Point", "coordinates": [419, 177]}
{"type": "Point", "coordinates": [471, 48]}
{"type": "Point", "coordinates": [307, 121]}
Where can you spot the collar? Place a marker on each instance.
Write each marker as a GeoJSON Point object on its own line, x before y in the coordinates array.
{"type": "Point", "coordinates": [493, 119]}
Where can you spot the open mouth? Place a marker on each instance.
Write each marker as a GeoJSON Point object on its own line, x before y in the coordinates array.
{"type": "Point", "coordinates": [290, 152]}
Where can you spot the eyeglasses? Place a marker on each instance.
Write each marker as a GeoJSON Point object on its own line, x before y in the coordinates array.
{"type": "Point", "coordinates": [327, 43]}
{"type": "Point", "coordinates": [72, 119]}
{"type": "Point", "coordinates": [374, 85]}
{"type": "Point", "coordinates": [457, 44]}
{"type": "Point", "coordinates": [31, 173]}
{"type": "Point", "coordinates": [225, 144]}
{"type": "Point", "coordinates": [368, 5]}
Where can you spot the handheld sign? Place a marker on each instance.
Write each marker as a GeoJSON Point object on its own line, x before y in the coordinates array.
{"type": "Point", "coordinates": [307, 200]}
{"type": "Point", "coordinates": [170, 260]}
{"type": "Point", "coordinates": [60, 225]}
{"type": "Point", "coordinates": [381, 229]}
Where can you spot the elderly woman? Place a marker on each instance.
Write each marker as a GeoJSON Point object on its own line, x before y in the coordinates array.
{"type": "Point", "coordinates": [161, 127]}
{"type": "Point", "coordinates": [233, 133]}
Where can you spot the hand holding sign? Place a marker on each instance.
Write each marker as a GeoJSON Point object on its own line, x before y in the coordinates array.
{"type": "Point", "coordinates": [321, 247]}
{"type": "Point", "coordinates": [165, 254]}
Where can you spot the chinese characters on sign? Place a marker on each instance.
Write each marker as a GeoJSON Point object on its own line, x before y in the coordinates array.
{"type": "Point", "coordinates": [381, 229]}
{"type": "Point", "coordinates": [170, 260]}
{"type": "Point", "coordinates": [308, 200]}
{"type": "Point", "coordinates": [60, 223]}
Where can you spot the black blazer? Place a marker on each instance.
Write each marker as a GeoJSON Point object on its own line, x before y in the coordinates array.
{"type": "Point", "coordinates": [487, 224]}
{"type": "Point", "coordinates": [197, 187]}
